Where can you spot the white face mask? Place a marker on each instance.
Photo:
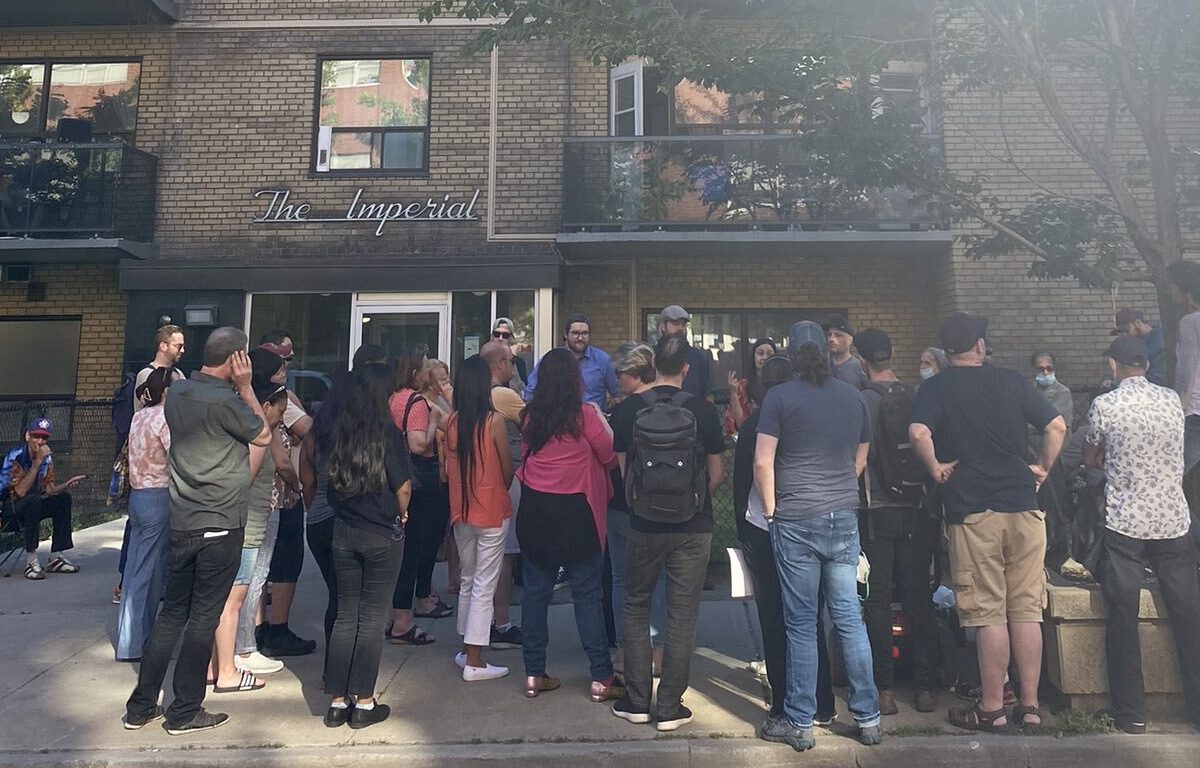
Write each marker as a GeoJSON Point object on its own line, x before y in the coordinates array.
{"type": "Point", "coordinates": [926, 373]}
{"type": "Point", "coordinates": [1046, 379]}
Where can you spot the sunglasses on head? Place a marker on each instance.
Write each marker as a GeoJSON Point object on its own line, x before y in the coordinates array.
{"type": "Point", "coordinates": [501, 335]}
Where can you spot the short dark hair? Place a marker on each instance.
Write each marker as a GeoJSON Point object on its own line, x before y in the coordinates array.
{"type": "Point", "coordinates": [1186, 277]}
{"type": "Point", "coordinates": [671, 354]}
{"type": "Point", "coordinates": [1034, 358]}
{"type": "Point", "coordinates": [165, 333]}
{"type": "Point", "coordinates": [578, 317]}
{"type": "Point", "coordinates": [222, 343]}
{"type": "Point", "coordinates": [274, 336]}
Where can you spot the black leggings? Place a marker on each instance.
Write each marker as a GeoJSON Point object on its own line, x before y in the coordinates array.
{"type": "Point", "coordinates": [428, 513]}
{"type": "Point", "coordinates": [320, 543]}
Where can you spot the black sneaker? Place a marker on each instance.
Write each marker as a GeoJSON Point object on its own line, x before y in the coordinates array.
{"type": "Point", "coordinates": [337, 716]}
{"type": "Point", "coordinates": [203, 721]}
{"type": "Point", "coordinates": [134, 722]}
{"type": "Point", "coordinates": [282, 641]}
{"type": "Point", "coordinates": [825, 720]}
{"type": "Point", "coordinates": [1130, 726]}
{"type": "Point", "coordinates": [681, 717]}
{"type": "Point", "coordinates": [782, 731]}
{"type": "Point", "coordinates": [507, 640]}
{"type": "Point", "coordinates": [625, 710]}
{"type": "Point", "coordinates": [361, 718]}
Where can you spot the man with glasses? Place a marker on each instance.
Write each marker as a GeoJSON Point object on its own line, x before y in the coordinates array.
{"type": "Point", "coordinates": [505, 331]}
{"type": "Point", "coordinates": [673, 321]}
{"type": "Point", "coordinates": [168, 351]}
{"type": "Point", "coordinates": [596, 367]}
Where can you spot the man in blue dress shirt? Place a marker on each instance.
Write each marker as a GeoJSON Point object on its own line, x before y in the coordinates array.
{"type": "Point", "coordinates": [596, 367]}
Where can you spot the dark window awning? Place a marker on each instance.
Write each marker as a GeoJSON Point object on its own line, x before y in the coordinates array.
{"type": "Point", "coordinates": [71, 13]}
{"type": "Point", "coordinates": [30, 250]}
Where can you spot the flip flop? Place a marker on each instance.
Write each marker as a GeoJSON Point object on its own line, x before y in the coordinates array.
{"type": "Point", "coordinates": [414, 636]}
{"type": "Point", "coordinates": [440, 611]}
{"type": "Point", "coordinates": [248, 683]}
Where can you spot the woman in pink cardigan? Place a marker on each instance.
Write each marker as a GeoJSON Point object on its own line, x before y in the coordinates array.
{"type": "Point", "coordinates": [565, 489]}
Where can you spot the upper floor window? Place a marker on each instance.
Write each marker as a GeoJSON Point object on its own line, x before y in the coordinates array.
{"type": "Point", "coordinates": [373, 116]}
{"type": "Point", "coordinates": [100, 99]}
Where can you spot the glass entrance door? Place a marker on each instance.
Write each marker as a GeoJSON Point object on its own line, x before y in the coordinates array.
{"type": "Point", "coordinates": [398, 328]}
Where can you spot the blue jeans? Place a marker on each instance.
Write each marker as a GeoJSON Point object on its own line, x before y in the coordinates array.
{"type": "Point", "coordinates": [811, 554]}
{"type": "Point", "coordinates": [587, 594]}
{"type": "Point", "coordinates": [145, 571]}
{"type": "Point", "coordinates": [618, 543]}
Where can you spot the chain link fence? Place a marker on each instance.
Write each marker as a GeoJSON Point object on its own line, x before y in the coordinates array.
{"type": "Point", "coordinates": [83, 443]}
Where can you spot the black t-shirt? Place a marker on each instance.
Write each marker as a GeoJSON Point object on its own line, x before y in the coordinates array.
{"type": "Point", "coordinates": [712, 438]}
{"type": "Point", "coordinates": [377, 512]}
{"type": "Point", "coordinates": [978, 416]}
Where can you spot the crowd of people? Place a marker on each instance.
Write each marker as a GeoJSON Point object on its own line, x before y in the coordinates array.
{"type": "Point", "coordinates": [592, 464]}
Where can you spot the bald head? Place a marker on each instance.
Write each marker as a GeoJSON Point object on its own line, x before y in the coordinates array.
{"type": "Point", "coordinates": [499, 358]}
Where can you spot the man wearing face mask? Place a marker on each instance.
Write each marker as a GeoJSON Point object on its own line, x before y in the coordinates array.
{"type": "Point", "coordinates": [1046, 379]}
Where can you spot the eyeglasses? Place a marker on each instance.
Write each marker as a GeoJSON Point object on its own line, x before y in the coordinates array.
{"type": "Point", "coordinates": [1044, 368]}
{"type": "Point", "coordinates": [579, 334]}
{"type": "Point", "coordinates": [501, 335]}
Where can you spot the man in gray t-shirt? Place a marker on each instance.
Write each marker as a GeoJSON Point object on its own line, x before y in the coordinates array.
{"type": "Point", "coordinates": [839, 335]}
{"type": "Point", "coordinates": [212, 424]}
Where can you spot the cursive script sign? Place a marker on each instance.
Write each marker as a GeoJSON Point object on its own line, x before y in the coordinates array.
{"type": "Point", "coordinates": [282, 210]}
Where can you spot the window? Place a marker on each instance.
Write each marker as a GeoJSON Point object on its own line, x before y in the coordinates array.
{"type": "Point", "coordinates": [373, 116]}
{"type": "Point", "coordinates": [49, 347]}
{"type": "Point", "coordinates": [35, 96]}
{"type": "Point", "coordinates": [726, 334]}
{"type": "Point", "coordinates": [902, 86]}
{"type": "Point", "coordinates": [471, 317]}
{"type": "Point", "coordinates": [320, 329]}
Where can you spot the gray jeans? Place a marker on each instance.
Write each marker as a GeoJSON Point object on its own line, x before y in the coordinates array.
{"type": "Point", "coordinates": [684, 556]}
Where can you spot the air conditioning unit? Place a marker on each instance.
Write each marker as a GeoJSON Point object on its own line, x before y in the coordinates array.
{"type": "Point", "coordinates": [324, 147]}
{"type": "Point", "coordinates": [17, 273]}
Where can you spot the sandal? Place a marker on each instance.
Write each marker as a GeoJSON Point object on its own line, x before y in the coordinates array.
{"type": "Point", "coordinates": [248, 682]}
{"type": "Point", "coordinates": [541, 684]}
{"type": "Point", "coordinates": [414, 636]}
{"type": "Point", "coordinates": [439, 611]}
{"type": "Point", "coordinates": [973, 718]}
{"type": "Point", "coordinates": [1020, 712]}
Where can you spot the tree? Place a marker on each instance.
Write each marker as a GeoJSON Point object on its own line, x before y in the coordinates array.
{"type": "Point", "coordinates": [816, 66]}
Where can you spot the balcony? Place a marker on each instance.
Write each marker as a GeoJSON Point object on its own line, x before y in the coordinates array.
{"type": "Point", "coordinates": [97, 196]}
{"type": "Point", "coordinates": [61, 13]}
{"type": "Point", "coordinates": [752, 189]}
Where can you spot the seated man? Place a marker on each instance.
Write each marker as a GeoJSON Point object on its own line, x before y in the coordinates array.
{"type": "Point", "coordinates": [31, 495]}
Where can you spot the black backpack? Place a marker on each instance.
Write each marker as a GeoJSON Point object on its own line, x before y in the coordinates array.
{"type": "Point", "coordinates": [666, 480]}
{"type": "Point", "coordinates": [896, 465]}
{"type": "Point", "coordinates": [122, 407]}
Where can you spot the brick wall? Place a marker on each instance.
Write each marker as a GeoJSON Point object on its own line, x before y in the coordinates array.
{"type": "Point", "coordinates": [89, 291]}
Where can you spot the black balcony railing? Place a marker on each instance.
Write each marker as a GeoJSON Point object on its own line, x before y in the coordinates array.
{"type": "Point", "coordinates": [67, 190]}
{"type": "Point", "coordinates": [724, 182]}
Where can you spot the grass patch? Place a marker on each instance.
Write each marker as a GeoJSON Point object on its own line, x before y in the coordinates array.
{"type": "Point", "coordinates": [922, 729]}
{"type": "Point", "coordinates": [1072, 722]}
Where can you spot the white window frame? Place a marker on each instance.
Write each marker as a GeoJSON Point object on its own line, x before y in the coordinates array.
{"type": "Point", "coordinates": [631, 68]}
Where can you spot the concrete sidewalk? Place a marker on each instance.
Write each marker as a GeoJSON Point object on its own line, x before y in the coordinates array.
{"type": "Point", "coordinates": [62, 697]}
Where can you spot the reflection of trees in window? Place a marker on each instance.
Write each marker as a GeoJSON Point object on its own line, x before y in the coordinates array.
{"type": "Point", "coordinates": [34, 97]}
{"type": "Point", "coordinates": [383, 104]}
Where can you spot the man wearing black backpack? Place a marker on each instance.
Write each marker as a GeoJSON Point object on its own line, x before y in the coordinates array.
{"type": "Point", "coordinates": [670, 446]}
{"type": "Point", "coordinates": [897, 534]}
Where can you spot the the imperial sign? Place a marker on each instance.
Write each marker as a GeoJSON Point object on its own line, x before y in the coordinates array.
{"type": "Point", "coordinates": [281, 210]}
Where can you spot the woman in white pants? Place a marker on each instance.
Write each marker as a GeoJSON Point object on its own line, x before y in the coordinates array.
{"type": "Point", "coordinates": [480, 468]}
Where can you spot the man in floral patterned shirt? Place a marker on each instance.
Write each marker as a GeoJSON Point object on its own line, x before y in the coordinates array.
{"type": "Point", "coordinates": [1135, 433]}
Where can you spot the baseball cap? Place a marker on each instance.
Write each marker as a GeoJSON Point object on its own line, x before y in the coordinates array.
{"type": "Point", "coordinates": [40, 426]}
{"type": "Point", "coordinates": [1125, 316]}
{"type": "Point", "coordinates": [836, 322]}
{"type": "Point", "coordinates": [503, 321]}
{"type": "Point", "coordinates": [960, 331]}
{"type": "Point", "coordinates": [874, 345]}
{"type": "Point", "coordinates": [674, 312]}
{"type": "Point", "coordinates": [807, 332]}
{"type": "Point", "coordinates": [283, 350]}
{"type": "Point", "coordinates": [1129, 350]}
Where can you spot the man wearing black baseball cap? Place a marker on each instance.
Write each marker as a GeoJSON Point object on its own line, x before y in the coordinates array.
{"type": "Point", "coordinates": [897, 540]}
{"type": "Point", "coordinates": [839, 336]}
{"type": "Point", "coordinates": [1135, 433]}
{"type": "Point", "coordinates": [968, 428]}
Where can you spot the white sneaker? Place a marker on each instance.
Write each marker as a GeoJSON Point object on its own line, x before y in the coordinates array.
{"type": "Point", "coordinates": [487, 672]}
{"type": "Point", "coordinates": [460, 659]}
{"type": "Point", "coordinates": [256, 664]}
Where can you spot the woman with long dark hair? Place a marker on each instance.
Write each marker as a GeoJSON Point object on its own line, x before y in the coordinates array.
{"type": "Point", "coordinates": [561, 524]}
{"type": "Point", "coordinates": [480, 468]}
{"type": "Point", "coordinates": [429, 510]}
{"type": "Point", "coordinates": [745, 395]}
{"type": "Point", "coordinates": [369, 489]}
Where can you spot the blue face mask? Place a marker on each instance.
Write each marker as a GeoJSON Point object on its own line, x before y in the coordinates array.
{"type": "Point", "coordinates": [926, 373]}
{"type": "Point", "coordinates": [1045, 379]}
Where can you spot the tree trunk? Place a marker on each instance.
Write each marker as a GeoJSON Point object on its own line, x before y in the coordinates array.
{"type": "Point", "coordinates": [1168, 318]}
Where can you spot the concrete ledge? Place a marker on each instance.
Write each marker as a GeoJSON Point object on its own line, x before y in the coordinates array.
{"type": "Point", "coordinates": [1073, 602]}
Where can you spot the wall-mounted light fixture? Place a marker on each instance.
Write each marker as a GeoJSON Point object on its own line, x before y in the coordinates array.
{"type": "Point", "coordinates": [200, 315]}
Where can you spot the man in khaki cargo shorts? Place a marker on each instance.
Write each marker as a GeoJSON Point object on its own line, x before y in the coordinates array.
{"type": "Point", "coordinates": [968, 427]}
